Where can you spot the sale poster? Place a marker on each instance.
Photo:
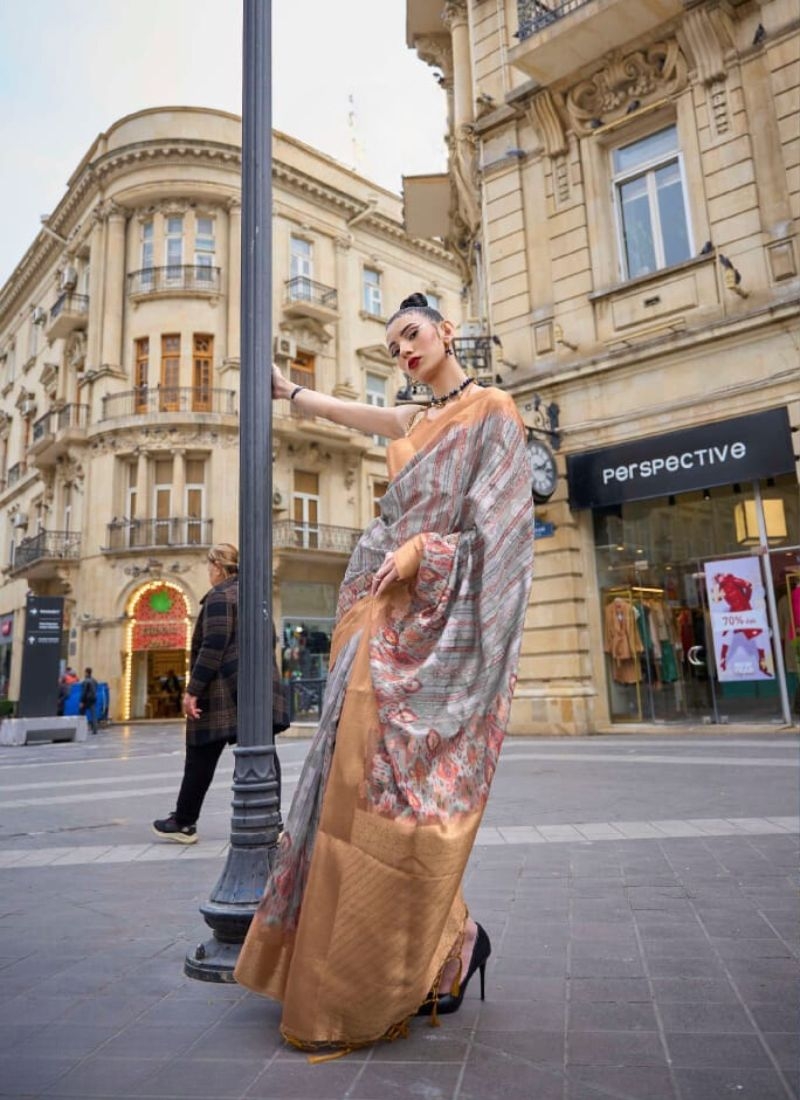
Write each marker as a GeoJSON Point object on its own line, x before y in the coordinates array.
{"type": "Point", "coordinates": [739, 626]}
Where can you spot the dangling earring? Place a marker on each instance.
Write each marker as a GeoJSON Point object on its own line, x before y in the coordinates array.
{"type": "Point", "coordinates": [448, 348]}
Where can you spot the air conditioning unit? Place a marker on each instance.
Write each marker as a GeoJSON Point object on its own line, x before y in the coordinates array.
{"type": "Point", "coordinates": [19, 520]}
{"type": "Point", "coordinates": [39, 315]}
{"type": "Point", "coordinates": [69, 278]}
{"type": "Point", "coordinates": [285, 347]}
{"type": "Point", "coordinates": [277, 499]}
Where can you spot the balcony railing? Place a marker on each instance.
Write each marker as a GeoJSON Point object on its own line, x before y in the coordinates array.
{"type": "Point", "coordinates": [16, 473]}
{"type": "Point", "coordinates": [51, 545]}
{"type": "Point", "coordinates": [69, 313]}
{"type": "Point", "coordinates": [287, 535]}
{"type": "Point", "coordinates": [474, 353]}
{"type": "Point", "coordinates": [146, 534]}
{"type": "Point", "coordinates": [173, 279]}
{"type": "Point", "coordinates": [69, 302]}
{"type": "Point", "coordinates": [535, 15]}
{"type": "Point", "coordinates": [302, 290]}
{"type": "Point", "coordinates": [147, 400]}
{"type": "Point", "coordinates": [69, 416]}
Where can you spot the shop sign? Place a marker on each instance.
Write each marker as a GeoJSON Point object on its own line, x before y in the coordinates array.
{"type": "Point", "coordinates": [543, 530]}
{"type": "Point", "coordinates": [743, 449]}
{"type": "Point", "coordinates": [38, 691]}
{"type": "Point", "coordinates": [739, 620]}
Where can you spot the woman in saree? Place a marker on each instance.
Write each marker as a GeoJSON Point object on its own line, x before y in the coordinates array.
{"type": "Point", "coordinates": [363, 924]}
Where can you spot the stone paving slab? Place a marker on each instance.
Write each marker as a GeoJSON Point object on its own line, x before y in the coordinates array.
{"type": "Point", "coordinates": [632, 959]}
{"type": "Point", "coordinates": [597, 1000]}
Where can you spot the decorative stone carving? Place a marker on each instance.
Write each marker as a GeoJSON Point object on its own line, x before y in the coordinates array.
{"type": "Point", "coordinates": [436, 50]}
{"type": "Point", "coordinates": [546, 121]}
{"type": "Point", "coordinates": [174, 207]}
{"type": "Point", "coordinates": [455, 12]}
{"type": "Point", "coordinates": [309, 334]}
{"type": "Point", "coordinates": [70, 469]}
{"type": "Point", "coordinates": [75, 351]}
{"type": "Point", "coordinates": [710, 43]}
{"type": "Point", "coordinates": [465, 210]}
{"type": "Point", "coordinates": [659, 70]}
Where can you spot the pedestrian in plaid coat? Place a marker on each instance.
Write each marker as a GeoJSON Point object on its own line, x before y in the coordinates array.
{"type": "Point", "coordinates": [211, 695]}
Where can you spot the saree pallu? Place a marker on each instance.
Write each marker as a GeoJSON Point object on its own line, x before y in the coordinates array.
{"type": "Point", "coordinates": [364, 906]}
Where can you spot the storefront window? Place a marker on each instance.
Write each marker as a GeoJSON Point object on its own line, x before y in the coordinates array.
{"type": "Point", "coordinates": [304, 641]}
{"type": "Point", "coordinates": [687, 615]}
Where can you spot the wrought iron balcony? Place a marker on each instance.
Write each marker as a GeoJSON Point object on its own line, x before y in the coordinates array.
{"type": "Point", "coordinates": [53, 432]}
{"type": "Point", "coordinates": [288, 535]}
{"type": "Point", "coordinates": [174, 279]}
{"type": "Point", "coordinates": [534, 15]}
{"type": "Point", "coordinates": [70, 312]}
{"type": "Point", "coordinates": [558, 37]}
{"type": "Point", "coordinates": [16, 473]}
{"type": "Point", "coordinates": [305, 298]}
{"type": "Point", "coordinates": [47, 546]}
{"type": "Point", "coordinates": [146, 401]}
{"type": "Point", "coordinates": [150, 534]}
{"type": "Point", "coordinates": [474, 353]}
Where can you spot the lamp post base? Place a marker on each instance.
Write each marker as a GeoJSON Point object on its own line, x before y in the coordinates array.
{"type": "Point", "coordinates": [212, 961]}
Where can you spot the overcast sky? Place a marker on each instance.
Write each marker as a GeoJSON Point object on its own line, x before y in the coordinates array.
{"type": "Point", "coordinates": [343, 81]}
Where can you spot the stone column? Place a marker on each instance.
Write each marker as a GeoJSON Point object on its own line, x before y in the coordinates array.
{"type": "Point", "coordinates": [96, 282]}
{"type": "Point", "coordinates": [114, 305]}
{"type": "Point", "coordinates": [178, 508]}
{"type": "Point", "coordinates": [456, 19]}
{"type": "Point", "coordinates": [234, 281]}
{"type": "Point", "coordinates": [346, 383]}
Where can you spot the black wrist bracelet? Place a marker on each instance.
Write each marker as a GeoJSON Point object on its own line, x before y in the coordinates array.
{"type": "Point", "coordinates": [295, 392]}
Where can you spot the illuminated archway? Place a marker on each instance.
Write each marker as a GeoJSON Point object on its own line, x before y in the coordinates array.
{"type": "Point", "coordinates": [158, 619]}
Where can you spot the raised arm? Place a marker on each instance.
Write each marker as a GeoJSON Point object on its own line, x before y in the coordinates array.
{"type": "Point", "coordinates": [368, 419]}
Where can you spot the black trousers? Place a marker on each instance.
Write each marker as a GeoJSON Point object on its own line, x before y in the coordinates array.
{"type": "Point", "coordinates": [199, 766]}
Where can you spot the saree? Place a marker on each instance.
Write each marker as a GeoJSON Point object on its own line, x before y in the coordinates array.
{"type": "Point", "coordinates": [363, 907]}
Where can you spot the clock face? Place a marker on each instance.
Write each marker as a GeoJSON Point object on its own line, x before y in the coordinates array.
{"type": "Point", "coordinates": [543, 470]}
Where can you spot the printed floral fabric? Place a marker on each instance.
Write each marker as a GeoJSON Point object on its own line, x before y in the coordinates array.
{"type": "Point", "coordinates": [444, 645]}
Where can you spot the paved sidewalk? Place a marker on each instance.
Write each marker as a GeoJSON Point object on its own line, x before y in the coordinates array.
{"type": "Point", "coordinates": [639, 896]}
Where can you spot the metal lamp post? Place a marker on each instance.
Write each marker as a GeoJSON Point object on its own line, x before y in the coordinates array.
{"type": "Point", "coordinates": [255, 822]}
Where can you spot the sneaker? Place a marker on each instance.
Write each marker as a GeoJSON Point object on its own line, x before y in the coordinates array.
{"type": "Point", "coordinates": [169, 829]}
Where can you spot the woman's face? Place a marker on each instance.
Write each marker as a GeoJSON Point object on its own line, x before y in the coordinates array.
{"type": "Point", "coordinates": [215, 573]}
{"type": "Point", "coordinates": [417, 344]}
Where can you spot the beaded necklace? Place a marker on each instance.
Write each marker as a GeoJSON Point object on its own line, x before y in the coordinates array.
{"type": "Point", "coordinates": [437, 402]}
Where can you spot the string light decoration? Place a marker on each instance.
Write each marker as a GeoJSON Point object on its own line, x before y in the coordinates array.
{"type": "Point", "coordinates": [147, 622]}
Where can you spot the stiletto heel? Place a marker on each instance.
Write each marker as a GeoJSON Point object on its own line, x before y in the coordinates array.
{"type": "Point", "coordinates": [450, 1002]}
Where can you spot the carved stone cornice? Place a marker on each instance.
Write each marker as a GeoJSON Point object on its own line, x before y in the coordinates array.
{"type": "Point", "coordinates": [165, 152]}
{"type": "Point", "coordinates": [380, 224]}
{"type": "Point", "coordinates": [156, 440]}
{"type": "Point", "coordinates": [638, 77]}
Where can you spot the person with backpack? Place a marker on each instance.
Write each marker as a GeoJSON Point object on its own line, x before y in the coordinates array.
{"type": "Point", "coordinates": [88, 699]}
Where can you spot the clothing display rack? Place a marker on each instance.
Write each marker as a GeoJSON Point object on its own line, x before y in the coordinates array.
{"type": "Point", "coordinates": [641, 635]}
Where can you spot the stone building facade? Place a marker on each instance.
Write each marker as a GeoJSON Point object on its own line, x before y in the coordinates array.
{"type": "Point", "coordinates": [624, 193]}
{"type": "Point", "coordinates": [119, 383]}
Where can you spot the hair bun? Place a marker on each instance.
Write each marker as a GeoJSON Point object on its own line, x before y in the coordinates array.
{"type": "Point", "coordinates": [414, 301]}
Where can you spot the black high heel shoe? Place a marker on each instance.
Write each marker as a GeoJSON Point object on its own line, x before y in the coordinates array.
{"type": "Point", "coordinates": [449, 1002]}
